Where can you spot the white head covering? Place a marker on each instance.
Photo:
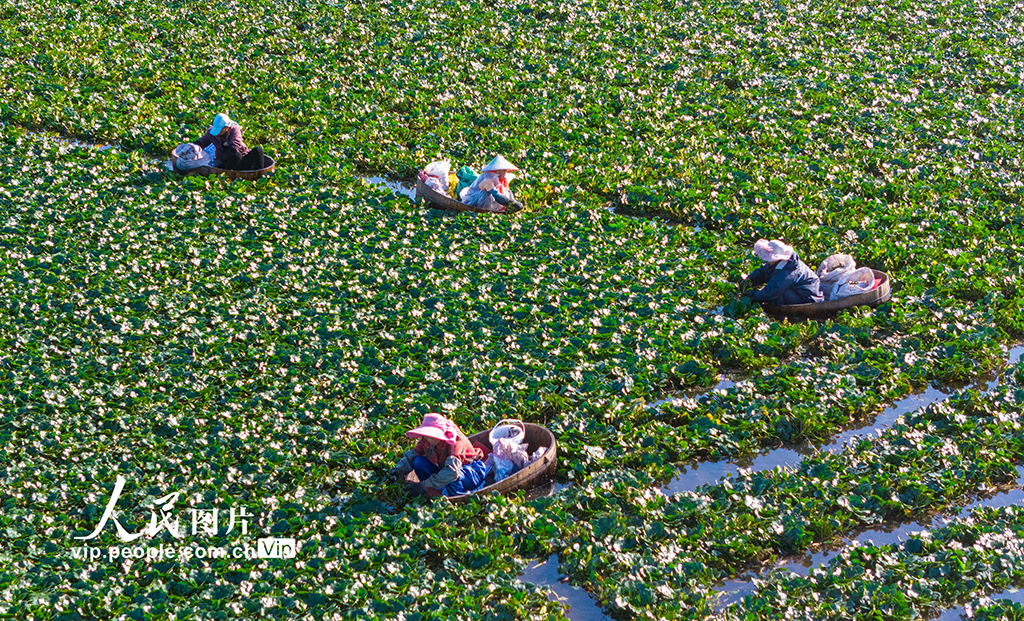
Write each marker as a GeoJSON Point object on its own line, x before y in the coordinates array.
{"type": "Point", "coordinates": [497, 164]}
{"type": "Point", "coordinates": [220, 122]}
{"type": "Point", "coordinates": [771, 251]}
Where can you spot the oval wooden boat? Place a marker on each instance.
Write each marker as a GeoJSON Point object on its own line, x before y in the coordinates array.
{"type": "Point", "coordinates": [537, 473]}
{"type": "Point", "coordinates": [880, 294]}
{"type": "Point", "coordinates": [206, 171]}
{"type": "Point", "coordinates": [438, 200]}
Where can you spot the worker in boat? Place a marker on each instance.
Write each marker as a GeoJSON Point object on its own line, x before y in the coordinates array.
{"type": "Point", "coordinates": [785, 278]}
{"type": "Point", "coordinates": [224, 144]}
{"type": "Point", "coordinates": [445, 461]}
{"type": "Point", "coordinates": [490, 190]}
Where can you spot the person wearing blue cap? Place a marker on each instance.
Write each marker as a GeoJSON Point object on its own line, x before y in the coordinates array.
{"type": "Point", "coordinates": [224, 144]}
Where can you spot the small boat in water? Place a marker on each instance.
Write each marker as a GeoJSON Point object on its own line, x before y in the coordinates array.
{"type": "Point", "coordinates": [438, 200]}
{"type": "Point", "coordinates": [879, 293]}
{"type": "Point", "coordinates": [206, 171]}
{"type": "Point", "coordinates": [533, 475]}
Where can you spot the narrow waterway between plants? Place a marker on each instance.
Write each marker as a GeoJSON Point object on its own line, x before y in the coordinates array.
{"type": "Point", "coordinates": [89, 144]}
{"type": "Point", "coordinates": [960, 612]}
{"type": "Point", "coordinates": [544, 573]}
{"type": "Point", "coordinates": [697, 473]}
{"type": "Point", "coordinates": [733, 590]}
{"type": "Point", "coordinates": [396, 186]}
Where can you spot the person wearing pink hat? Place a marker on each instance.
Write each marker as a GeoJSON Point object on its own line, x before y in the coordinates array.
{"type": "Point", "coordinates": [785, 278]}
{"type": "Point", "coordinates": [444, 459]}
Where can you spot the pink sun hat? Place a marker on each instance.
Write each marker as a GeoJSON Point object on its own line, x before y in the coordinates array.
{"type": "Point", "coordinates": [434, 426]}
{"type": "Point", "coordinates": [771, 251]}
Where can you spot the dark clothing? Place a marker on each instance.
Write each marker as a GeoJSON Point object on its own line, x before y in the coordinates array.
{"type": "Point", "coordinates": [253, 160]}
{"type": "Point", "coordinates": [229, 145]}
{"type": "Point", "coordinates": [501, 200]}
{"type": "Point", "coordinates": [788, 282]}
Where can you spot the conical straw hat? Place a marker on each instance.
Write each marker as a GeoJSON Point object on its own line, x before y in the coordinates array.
{"type": "Point", "coordinates": [499, 163]}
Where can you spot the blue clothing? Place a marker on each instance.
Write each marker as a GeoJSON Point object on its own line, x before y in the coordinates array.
{"type": "Point", "coordinates": [788, 282]}
{"type": "Point", "coordinates": [473, 477]}
{"type": "Point", "coordinates": [481, 193]}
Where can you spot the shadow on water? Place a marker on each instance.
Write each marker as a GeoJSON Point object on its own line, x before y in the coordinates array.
{"type": "Point", "coordinates": [733, 590]}
{"type": "Point", "coordinates": [550, 488]}
{"type": "Point", "coordinates": [397, 187]}
{"type": "Point", "coordinates": [582, 606]}
{"type": "Point", "coordinates": [626, 212]}
{"type": "Point", "coordinates": [693, 475]}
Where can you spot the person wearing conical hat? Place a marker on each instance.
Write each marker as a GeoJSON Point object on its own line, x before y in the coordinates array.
{"type": "Point", "coordinates": [785, 278]}
{"type": "Point", "coordinates": [490, 191]}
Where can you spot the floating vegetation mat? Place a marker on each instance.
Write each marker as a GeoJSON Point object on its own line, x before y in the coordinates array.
{"type": "Point", "coordinates": [225, 370]}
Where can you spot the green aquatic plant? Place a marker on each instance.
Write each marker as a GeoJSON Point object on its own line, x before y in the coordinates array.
{"type": "Point", "coordinates": [266, 344]}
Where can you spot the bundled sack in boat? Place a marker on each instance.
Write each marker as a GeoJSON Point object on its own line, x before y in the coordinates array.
{"type": "Point", "coordinates": [852, 283]}
{"type": "Point", "coordinates": [833, 268]}
{"type": "Point", "coordinates": [466, 177]}
{"type": "Point", "coordinates": [452, 182]}
{"type": "Point", "coordinates": [191, 156]}
{"type": "Point", "coordinates": [435, 175]}
{"type": "Point", "coordinates": [510, 456]}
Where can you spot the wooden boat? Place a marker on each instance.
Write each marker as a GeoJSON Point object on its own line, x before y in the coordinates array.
{"type": "Point", "coordinates": [438, 200]}
{"type": "Point", "coordinates": [537, 473]}
{"type": "Point", "coordinates": [879, 294]}
{"type": "Point", "coordinates": [206, 171]}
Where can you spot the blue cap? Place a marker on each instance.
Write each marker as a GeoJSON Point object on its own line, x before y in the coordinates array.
{"type": "Point", "coordinates": [220, 122]}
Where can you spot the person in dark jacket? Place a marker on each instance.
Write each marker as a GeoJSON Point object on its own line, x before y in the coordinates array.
{"type": "Point", "coordinates": [224, 144]}
{"type": "Point", "coordinates": [785, 278]}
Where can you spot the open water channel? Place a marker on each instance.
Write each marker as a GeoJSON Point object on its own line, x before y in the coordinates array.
{"type": "Point", "coordinates": [733, 590]}
{"type": "Point", "coordinates": [960, 612]}
{"type": "Point", "coordinates": [582, 607]}
{"type": "Point", "coordinates": [693, 475]}
{"type": "Point", "coordinates": [396, 186]}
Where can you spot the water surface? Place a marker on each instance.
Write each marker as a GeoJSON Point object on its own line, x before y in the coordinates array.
{"type": "Point", "coordinates": [582, 606]}
{"type": "Point", "coordinates": [692, 475]}
{"type": "Point", "coordinates": [885, 419]}
{"type": "Point", "coordinates": [960, 612]}
{"type": "Point", "coordinates": [397, 187]}
{"type": "Point", "coordinates": [697, 473]}
{"type": "Point", "coordinates": [677, 397]}
{"type": "Point", "coordinates": [733, 590]}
